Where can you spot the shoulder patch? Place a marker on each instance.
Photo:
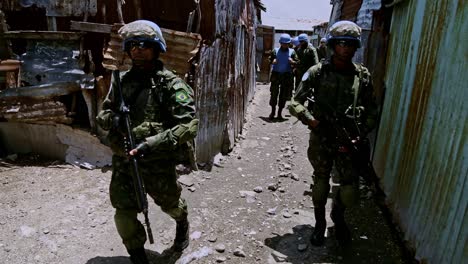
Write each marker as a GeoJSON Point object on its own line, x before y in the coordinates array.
{"type": "Point", "coordinates": [305, 76]}
{"type": "Point", "coordinates": [182, 96]}
{"type": "Point", "coordinates": [179, 85]}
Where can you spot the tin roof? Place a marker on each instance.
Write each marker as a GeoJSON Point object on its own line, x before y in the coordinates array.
{"type": "Point", "coordinates": [288, 23]}
{"type": "Point", "coordinates": [296, 14]}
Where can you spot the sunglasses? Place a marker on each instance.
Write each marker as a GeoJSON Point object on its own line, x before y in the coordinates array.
{"type": "Point", "coordinates": [139, 44]}
{"type": "Point", "coordinates": [346, 43]}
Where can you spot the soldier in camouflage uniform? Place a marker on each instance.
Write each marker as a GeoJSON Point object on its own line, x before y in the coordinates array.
{"type": "Point", "coordinates": [282, 78]}
{"type": "Point", "coordinates": [307, 56]}
{"type": "Point", "coordinates": [335, 87]}
{"type": "Point", "coordinates": [162, 112]}
{"type": "Point", "coordinates": [322, 49]}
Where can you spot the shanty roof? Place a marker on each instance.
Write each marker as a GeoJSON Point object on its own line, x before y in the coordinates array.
{"type": "Point", "coordinates": [300, 15]}
{"type": "Point", "coordinates": [288, 23]}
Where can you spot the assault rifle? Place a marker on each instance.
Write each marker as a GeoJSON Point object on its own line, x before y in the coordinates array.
{"type": "Point", "coordinates": [140, 193]}
{"type": "Point", "coordinates": [358, 148]}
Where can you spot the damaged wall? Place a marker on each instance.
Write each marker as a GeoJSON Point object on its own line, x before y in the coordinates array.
{"type": "Point", "coordinates": [225, 78]}
{"type": "Point", "coordinates": [222, 70]}
{"type": "Point", "coordinates": [422, 155]}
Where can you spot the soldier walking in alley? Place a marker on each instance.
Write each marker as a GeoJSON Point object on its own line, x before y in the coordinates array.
{"type": "Point", "coordinates": [282, 79]}
{"type": "Point", "coordinates": [307, 55]}
{"type": "Point", "coordinates": [162, 112]}
{"type": "Point", "coordinates": [322, 49]}
{"type": "Point", "coordinates": [335, 95]}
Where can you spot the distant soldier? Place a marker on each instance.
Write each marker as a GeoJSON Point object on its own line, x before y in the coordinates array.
{"type": "Point", "coordinates": [335, 87]}
{"type": "Point", "coordinates": [162, 112]}
{"type": "Point", "coordinates": [307, 55]}
{"type": "Point", "coordinates": [295, 43]}
{"type": "Point", "coordinates": [282, 79]}
{"type": "Point", "coordinates": [322, 49]}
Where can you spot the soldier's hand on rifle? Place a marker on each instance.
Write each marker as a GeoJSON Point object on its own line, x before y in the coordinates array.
{"type": "Point", "coordinates": [140, 150]}
{"type": "Point", "coordinates": [313, 123]}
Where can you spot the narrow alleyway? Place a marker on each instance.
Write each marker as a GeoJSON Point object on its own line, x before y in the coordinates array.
{"type": "Point", "coordinates": [253, 207]}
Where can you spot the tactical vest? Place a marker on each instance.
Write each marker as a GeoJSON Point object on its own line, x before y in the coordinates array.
{"type": "Point", "coordinates": [353, 115]}
{"type": "Point", "coordinates": [282, 58]}
{"type": "Point", "coordinates": [157, 110]}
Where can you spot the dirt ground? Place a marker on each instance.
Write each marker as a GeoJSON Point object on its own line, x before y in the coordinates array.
{"type": "Point", "coordinates": [254, 206]}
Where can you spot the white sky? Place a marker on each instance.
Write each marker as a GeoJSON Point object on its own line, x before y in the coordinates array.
{"type": "Point", "coordinates": [301, 9]}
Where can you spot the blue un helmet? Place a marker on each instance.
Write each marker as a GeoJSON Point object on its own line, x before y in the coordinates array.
{"type": "Point", "coordinates": [303, 37]}
{"type": "Point", "coordinates": [344, 30]}
{"type": "Point", "coordinates": [285, 39]}
{"type": "Point", "coordinates": [142, 31]}
{"type": "Point", "coordinates": [295, 41]}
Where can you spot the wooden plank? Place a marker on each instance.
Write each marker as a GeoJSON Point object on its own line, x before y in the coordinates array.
{"type": "Point", "coordinates": [91, 27]}
{"type": "Point", "coordinates": [41, 91]}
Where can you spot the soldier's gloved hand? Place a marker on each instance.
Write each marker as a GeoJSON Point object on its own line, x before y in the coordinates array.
{"type": "Point", "coordinates": [140, 150]}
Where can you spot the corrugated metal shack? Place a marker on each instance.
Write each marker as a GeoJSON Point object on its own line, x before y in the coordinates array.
{"type": "Point", "coordinates": [421, 147]}
{"type": "Point", "coordinates": [67, 53]}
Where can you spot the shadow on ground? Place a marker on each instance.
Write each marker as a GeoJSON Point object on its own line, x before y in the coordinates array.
{"type": "Point", "coordinates": [168, 256]}
{"type": "Point", "coordinates": [290, 246]}
{"type": "Point", "coordinates": [274, 120]}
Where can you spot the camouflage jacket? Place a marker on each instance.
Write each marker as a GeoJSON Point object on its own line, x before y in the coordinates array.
{"type": "Point", "coordinates": [162, 111]}
{"type": "Point", "coordinates": [307, 58]}
{"type": "Point", "coordinates": [329, 93]}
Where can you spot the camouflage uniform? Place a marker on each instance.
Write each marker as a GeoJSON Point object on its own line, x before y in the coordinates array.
{"type": "Point", "coordinates": [322, 52]}
{"type": "Point", "coordinates": [163, 114]}
{"type": "Point", "coordinates": [307, 58]}
{"type": "Point", "coordinates": [323, 94]}
{"type": "Point", "coordinates": [333, 93]}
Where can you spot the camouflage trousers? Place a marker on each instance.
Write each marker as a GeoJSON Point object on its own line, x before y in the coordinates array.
{"type": "Point", "coordinates": [322, 153]}
{"type": "Point", "coordinates": [297, 78]}
{"type": "Point", "coordinates": [160, 181]}
{"type": "Point", "coordinates": [281, 88]}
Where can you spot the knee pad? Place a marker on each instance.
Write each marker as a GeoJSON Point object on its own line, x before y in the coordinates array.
{"type": "Point", "coordinates": [177, 211]}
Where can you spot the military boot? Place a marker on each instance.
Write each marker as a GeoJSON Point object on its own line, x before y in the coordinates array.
{"type": "Point", "coordinates": [318, 236]}
{"type": "Point", "coordinates": [181, 240]}
{"type": "Point", "coordinates": [272, 114]}
{"type": "Point", "coordinates": [138, 256]}
{"type": "Point", "coordinates": [280, 116]}
{"type": "Point", "coordinates": [342, 233]}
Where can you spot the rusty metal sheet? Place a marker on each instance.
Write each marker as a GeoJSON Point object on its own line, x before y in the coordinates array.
{"type": "Point", "coordinates": [225, 80]}
{"type": "Point", "coordinates": [43, 91]}
{"type": "Point", "coordinates": [181, 47]}
{"type": "Point", "coordinates": [422, 149]}
{"type": "Point", "coordinates": [60, 8]}
{"type": "Point", "coordinates": [48, 61]}
{"type": "Point", "coordinates": [44, 35]}
{"type": "Point", "coordinates": [350, 9]}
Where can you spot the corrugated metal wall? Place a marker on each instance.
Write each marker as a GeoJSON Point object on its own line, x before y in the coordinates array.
{"type": "Point", "coordinates": [421, 151]}
{"type": "Point", "coordinates": [225, 78]}
{"type": "Point", "coordinates": [350, 9]}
